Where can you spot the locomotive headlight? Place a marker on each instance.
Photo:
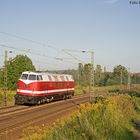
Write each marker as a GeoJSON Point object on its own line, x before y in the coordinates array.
{"type": "Point", "coordinates": [26, 86]}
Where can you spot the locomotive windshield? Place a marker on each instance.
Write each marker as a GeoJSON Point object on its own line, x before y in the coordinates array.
{"type": "Point", "coordinates": [32, 77]}
{"type": "Point", "coordinates": [24, 76]}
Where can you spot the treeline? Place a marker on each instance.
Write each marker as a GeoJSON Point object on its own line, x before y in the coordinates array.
{"type": "Point", "coordinates": [119, 76]}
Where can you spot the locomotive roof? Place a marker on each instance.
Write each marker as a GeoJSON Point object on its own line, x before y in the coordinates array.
{"type": "Point", "coordinates": [51, 76]}
{"type": "Point", "coordinates": [43, 73]}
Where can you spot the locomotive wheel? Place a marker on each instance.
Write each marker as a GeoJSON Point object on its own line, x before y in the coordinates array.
{"type": "Point", "coordinates": [47, 100]}
{"type": "Point", "coordinates": [70, 96]}
{"type": "Point", "coordinates": [64, 97]}
{"type": "Point", "coordinates": [39, 102]}
{"type": "Point", "coordinates": [43, 101]}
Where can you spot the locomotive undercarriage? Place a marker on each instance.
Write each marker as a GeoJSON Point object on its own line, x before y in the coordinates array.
{"type": "Point", "coordinates": [34, 100]}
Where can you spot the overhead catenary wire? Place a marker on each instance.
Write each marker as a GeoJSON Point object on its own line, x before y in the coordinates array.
{"type": "Point", "coordinates": [27, 51]}
{"type": "Point", "coordinates": [41, 55]}
{"type": "Point", "coordinates": [29, 40]}
{"type": "Point", "coordinates": [11, 47]}
{"type": "Point", "coordinates": [71, 50]}
{"type": "Point", "coordinates": [52, 66]}
{"type": "Point", "coordinates": [72, 56]}
{"type": "Point", "coordinates": [42, 44]}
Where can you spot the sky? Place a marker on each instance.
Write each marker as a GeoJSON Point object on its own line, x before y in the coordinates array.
{"type": "Point", "coordinates": [53, 33]}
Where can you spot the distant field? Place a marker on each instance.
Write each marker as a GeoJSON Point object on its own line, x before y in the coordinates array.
{"type": "Point", "coordinates": [80, 89]}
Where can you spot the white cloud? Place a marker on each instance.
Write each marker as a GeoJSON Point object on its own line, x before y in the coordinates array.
{"type": "Point", "coordinates": [111, 1]}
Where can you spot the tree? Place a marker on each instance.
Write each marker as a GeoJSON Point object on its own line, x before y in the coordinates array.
{"type": "Point", "coordinates": [98, 74]}
{"type": "Point", "coordinates": [87, 73]}
{"type": "Point", "coordinates": [15, 67]}
{"type": "Point", "coordinates": [107, 78]}
{"type": "Point", "coordinates": [84, 73]}
{"type": "Point", "coordinates": [135, 79]}
{"type": "Point", "coordinates": [81, 73]}
{"type": "Point", "coordinates": [119, 76]}
{"type": "Point", "coordinates": [101, 77]}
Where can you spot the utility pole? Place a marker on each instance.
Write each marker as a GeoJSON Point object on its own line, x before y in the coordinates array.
{"type": "Point", "coordinates": [92, 77]}
{"type": "Point", "coordinates": [5, 79]}
{"type": "Point", "coordinates": [135, 78]}
{"type": "Point", "coordinates": [91, 84]}
{"type": "Point", "coordinates": [129, 80]}
{"type": "Point", "coordinates": [121, 78]}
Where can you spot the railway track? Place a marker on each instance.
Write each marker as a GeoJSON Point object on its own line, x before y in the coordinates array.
{"type": "Point", "coordinates": [9, 109]}
{"type": "Point", "coordinates": [15, 108]}
{"type": "Point", "coordinates": [11, 123]}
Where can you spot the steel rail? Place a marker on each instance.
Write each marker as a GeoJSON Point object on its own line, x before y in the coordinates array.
{"type": "Point", "coordinates": [10, 109]}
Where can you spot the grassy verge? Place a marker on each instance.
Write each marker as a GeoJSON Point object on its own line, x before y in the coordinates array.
{"type": "Point", "coordinates": [112, 118]}
{"type": "Point", "coordinates": [9, 97]}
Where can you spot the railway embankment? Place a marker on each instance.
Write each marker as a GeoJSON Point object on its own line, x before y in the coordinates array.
{"type": "Point", "coordinates": [115, 117]}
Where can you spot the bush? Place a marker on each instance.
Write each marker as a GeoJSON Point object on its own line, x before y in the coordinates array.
{"type": "Point", "coordinates": [110, 120]}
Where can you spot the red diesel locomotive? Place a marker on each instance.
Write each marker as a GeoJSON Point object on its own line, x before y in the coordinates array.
{"type": "Point", "coordinates": [41, 87]}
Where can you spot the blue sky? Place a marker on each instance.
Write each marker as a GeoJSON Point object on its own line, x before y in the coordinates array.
{"type": "Point", "coordinates": [109, 27]}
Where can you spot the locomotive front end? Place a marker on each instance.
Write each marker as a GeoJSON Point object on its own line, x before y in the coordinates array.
{"type": "Point", "coordinates": [27, 84]}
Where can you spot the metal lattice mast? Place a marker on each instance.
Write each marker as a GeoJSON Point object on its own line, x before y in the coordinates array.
{"type": "Point", "coordinates": [129, 80]}
{"type": "Point", "coordinates": [92, 77]}
{"type": "Point", "coordinates": [5, 79]}
{"type": "Point", "coordinates": [91, 83]}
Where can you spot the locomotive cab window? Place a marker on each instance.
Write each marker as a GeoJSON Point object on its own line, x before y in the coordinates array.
{"type": "Point", "coordinates": [24, 76]}
{"type": "Point", "coordinates": [32, 77]}
{"type": "Point", "coordinates": [39, 77]}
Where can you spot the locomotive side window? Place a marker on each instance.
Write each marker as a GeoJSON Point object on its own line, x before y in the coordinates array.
{"type": "Point", "coordinates": [50, 78]}
{"type": "Point", "coordinates": [67, 78]}
{"type": "Point", "coordinates": [39, 77]}
{"type": "Point", "coordinates": [56, 78]}
{"type": "Point", "coordinates": [24, 76]}
{"type": "Point", "coordinates": [32, 77]}
{"type": "Point", "coordinates": [62, 78]}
